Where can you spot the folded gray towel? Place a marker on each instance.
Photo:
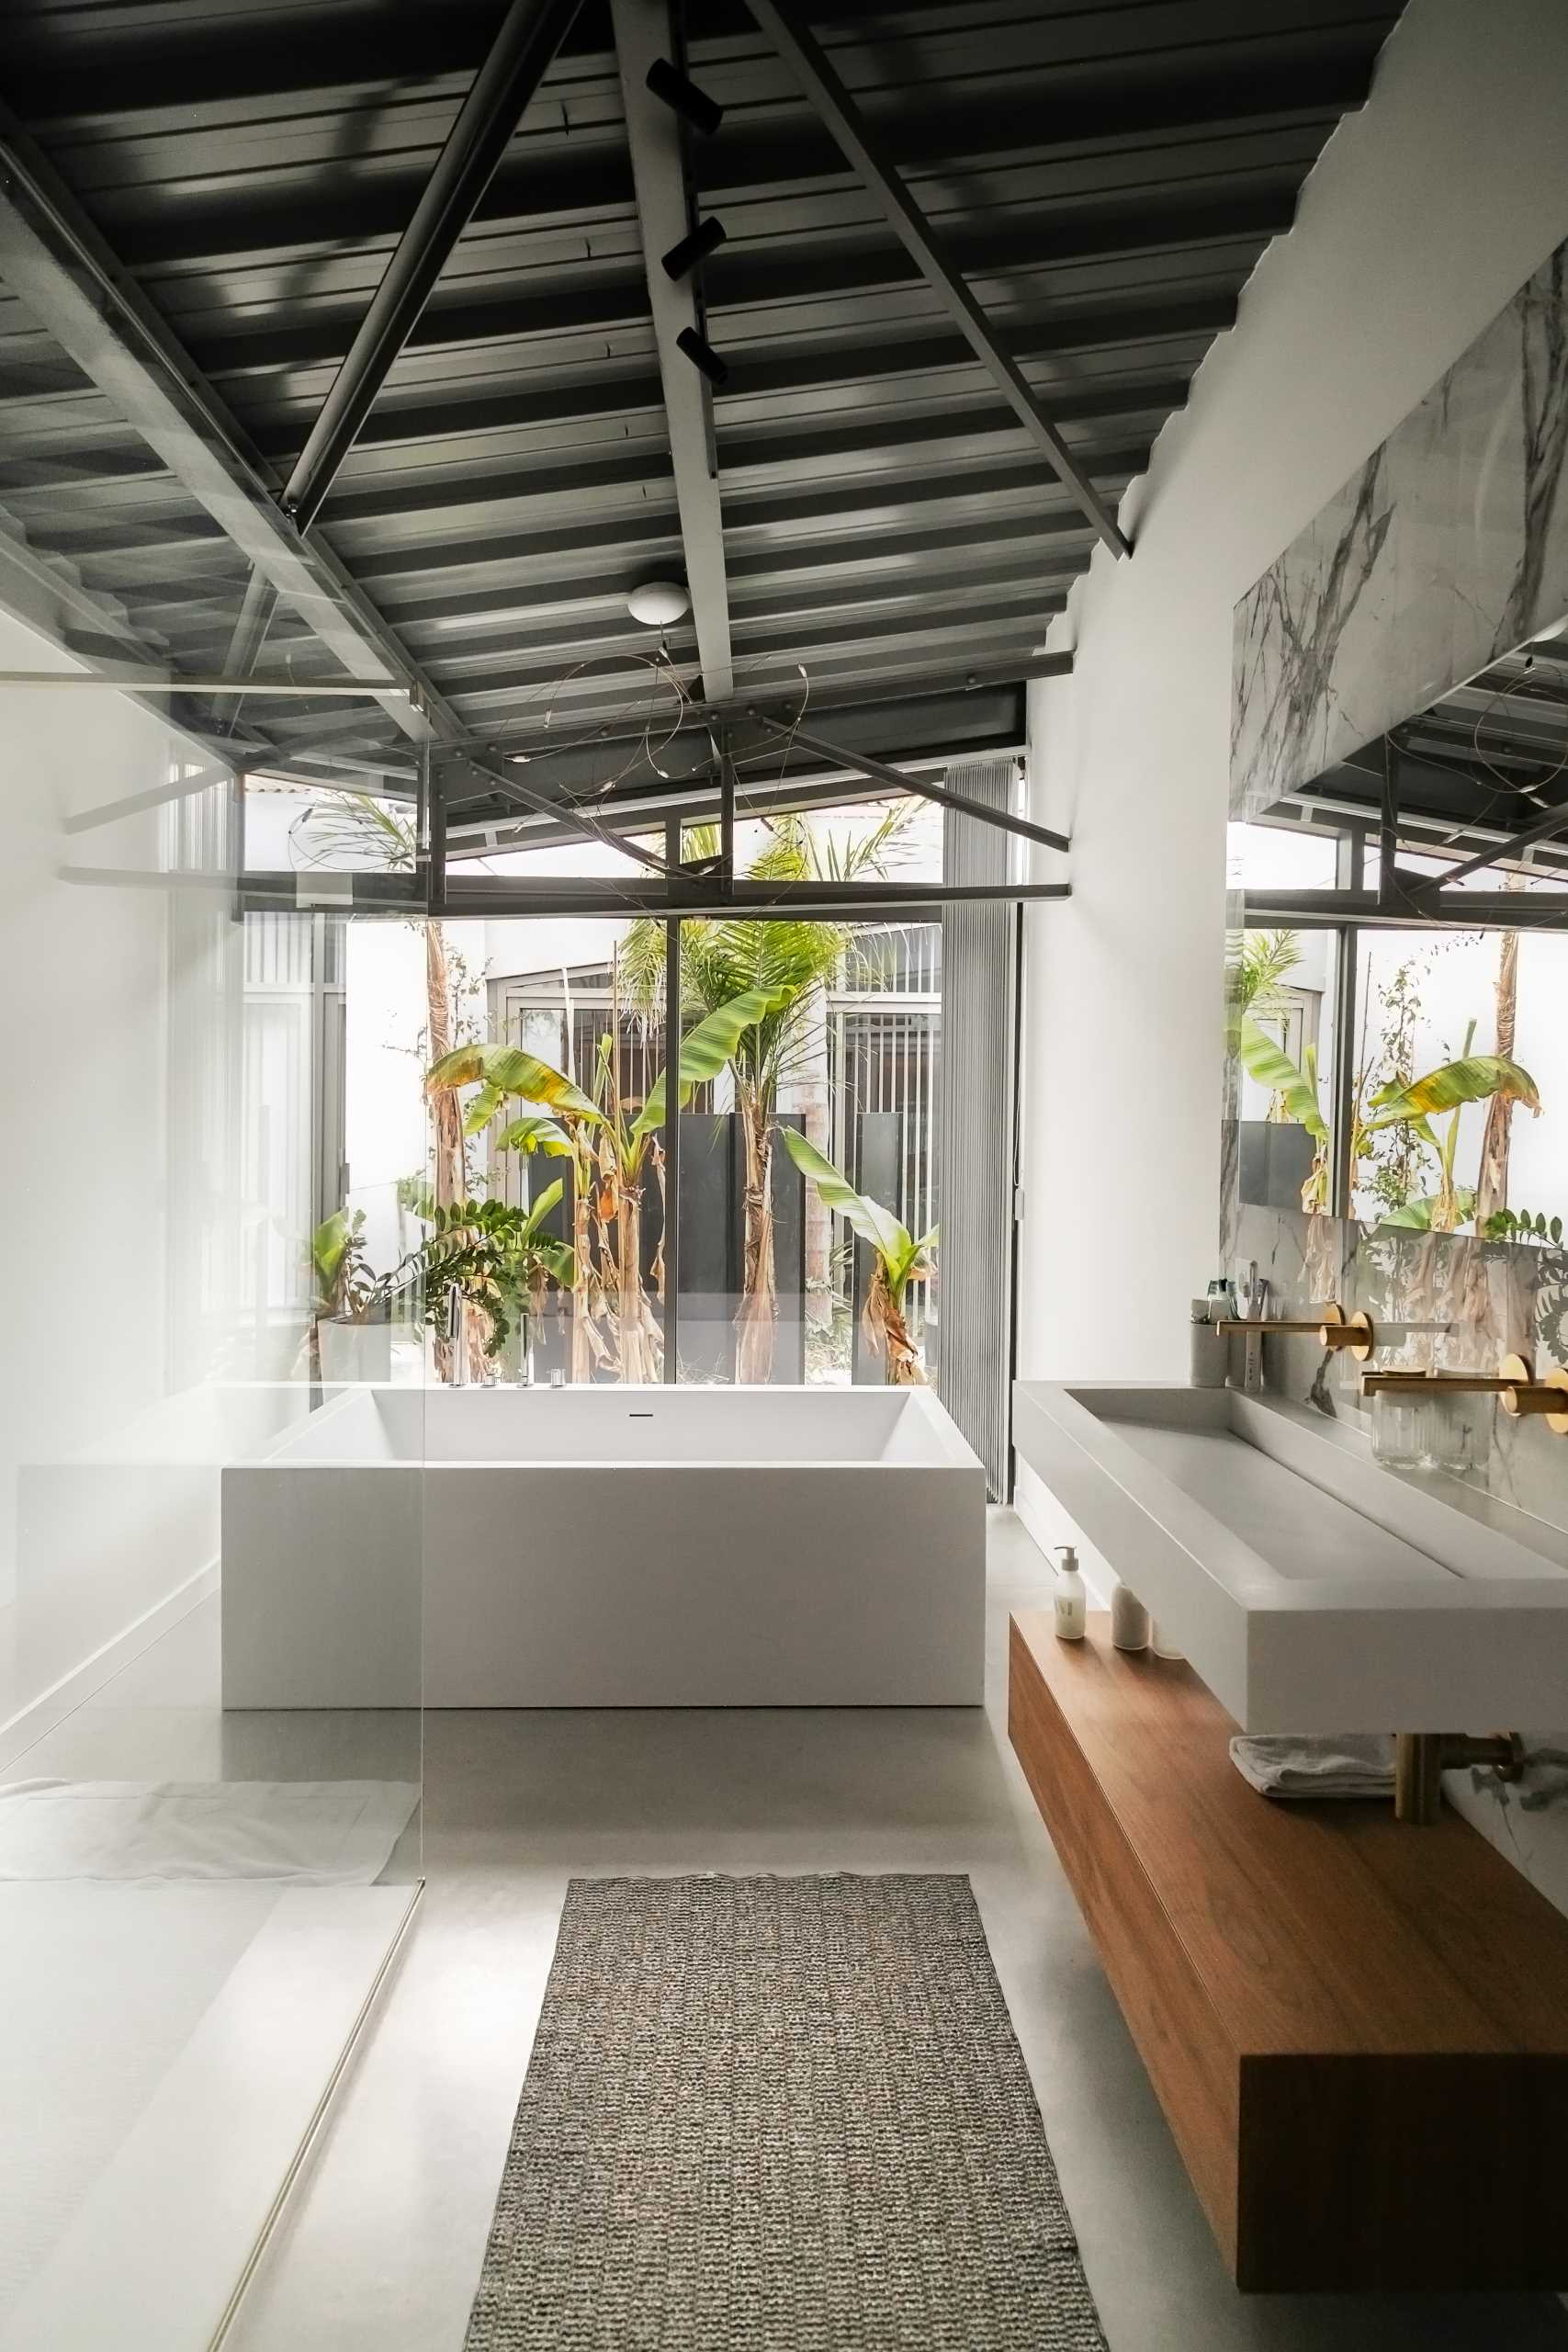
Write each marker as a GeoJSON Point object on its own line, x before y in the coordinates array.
{"type": "Point", "coordinates": [1341, 1764]}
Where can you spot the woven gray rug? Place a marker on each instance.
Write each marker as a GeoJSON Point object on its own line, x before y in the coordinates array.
{"type": "Point", "coordinates": [778, 2115]}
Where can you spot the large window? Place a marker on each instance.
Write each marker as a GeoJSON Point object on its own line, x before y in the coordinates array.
{"type": "Point", "coordinates": [831, 1074]}
{"type": "Point", "coordinates": [782, 1229]}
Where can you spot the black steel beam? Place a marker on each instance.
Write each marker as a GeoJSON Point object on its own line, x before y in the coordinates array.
{"type": "Point", "coordinates": [907, 718]}
{"type": "Point", "coordinates": [900, 780]}
{"type": "Point", "coordinates": [1472, 910]}
{"type": "Point", "coordinates": [249, 634]}
{"type": "Point", "coordinates": [645, 32]}
{"type": "Point", "coordinates": [1388, 827]}
{"type": "Point", "coordinates": [55, 264]}
{"type": "Point", "coordinates": [785, 26]}
{"type": "Point", "coordinates": [435, 843]}
{"type": "Point", "coordinates": [1550, 822]}
{"type": "Point", "coordinates": [501, 778]}
{"type": "Point", "coordinates": [499, 894]}
{"type": "Point", "coordinates": [530, 34]}
{"type": "Point", "coordinates": [697, 800]}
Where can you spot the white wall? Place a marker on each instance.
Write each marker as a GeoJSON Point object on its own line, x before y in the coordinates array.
{"type": "Point", "coordinates": [1426, 212]}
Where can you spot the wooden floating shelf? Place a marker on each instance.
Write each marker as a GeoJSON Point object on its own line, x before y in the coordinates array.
{"type": "Point", "coordinates": [1358, 2029]}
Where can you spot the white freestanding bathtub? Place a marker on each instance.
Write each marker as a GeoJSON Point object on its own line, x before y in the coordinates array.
{"type": "Point", "coordinates": [608, 1547]}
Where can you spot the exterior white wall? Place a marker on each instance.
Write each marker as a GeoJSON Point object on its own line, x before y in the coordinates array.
{"type": "Point", "coordinates": [1427, 209]}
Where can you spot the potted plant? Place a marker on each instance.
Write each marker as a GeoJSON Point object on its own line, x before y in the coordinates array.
{"type": "Point", "coordinates": [499, 1259]}
{"type": "Point", "coordinates": [351, 1331]}
{"type": "Point", "coordinates": [900, 1259]}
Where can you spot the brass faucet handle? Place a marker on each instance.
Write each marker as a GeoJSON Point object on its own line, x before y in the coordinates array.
{"type": "Point", "coordinates": [1544, 1399]}
{"type": "Point", "coordinates": [1354, 1331]}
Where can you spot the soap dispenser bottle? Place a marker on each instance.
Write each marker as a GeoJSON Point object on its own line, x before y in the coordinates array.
{"type": "Point", "coordinates": [1071, 1600]}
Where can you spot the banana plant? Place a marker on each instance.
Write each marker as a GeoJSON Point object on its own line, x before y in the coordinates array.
{"type": "Point", "coordinates": [609, 1142]}
{"type": "Point", "coordinates": [1417, 1216]}
{"type": "Point", "coordinates": [1414, 1103]}
{"type": "Point", "coordinates": [1294, 1095]}
{"type": "Point", "coordinates": [1473, 1078]}
{"type": "Point", "coordinates": [723, 957]}
{"type": "Point", "coordinates": [900, 1259]}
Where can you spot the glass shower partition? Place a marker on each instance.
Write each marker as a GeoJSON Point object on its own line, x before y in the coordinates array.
{"type": "Point", "coordinates": [214, 1373]}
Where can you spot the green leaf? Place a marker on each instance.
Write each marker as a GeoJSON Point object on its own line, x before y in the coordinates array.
{"type": "Point", "coordinates": [535, 1131]}
{"type": "Point", "coordinates": [540, 1209]}
{"type": "Point", "coordinates": [1266, 1061]}
{"type": "Point", "coordinates": [1265, 959]}
{"type": "Point", "coordinates": [705, 1049]}
{"type": "Point", "coordinates": [511, 1071]}
{"type": "Point", "coordinates": [1416, 1217]}
{"type": "Point", "coordinates": [482, 1109]}
{"type": "Point", "coordinates": [1473, 1079]}
{"type": "Point", "coordinates": [328, 1244]}
{"type": "Point", "coordinates": [561, 1261]}
{"type": "Point", "coordinates": [875, 1224]}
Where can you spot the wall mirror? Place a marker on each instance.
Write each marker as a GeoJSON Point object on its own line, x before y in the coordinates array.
{"type": "Point", "coordinates": [1398, 961]}
{"type": "Point", "coordinates": [1399, 969]}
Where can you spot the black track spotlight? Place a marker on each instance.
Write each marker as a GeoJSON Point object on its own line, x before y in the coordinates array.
{"type": "Point", "coordinates": [705, 238]}
{"type": "Point", "coordinates": [702, 355]}
{"type": "Point", "coordinates": [693, 106]}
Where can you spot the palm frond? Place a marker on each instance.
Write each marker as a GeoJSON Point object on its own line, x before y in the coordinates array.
{"type": "Point", "coordinates": [640, 957]}
{"type": "Point", "coordinates": [354, 830]}
{"type": "Point", "coordinates": [1263, 963]}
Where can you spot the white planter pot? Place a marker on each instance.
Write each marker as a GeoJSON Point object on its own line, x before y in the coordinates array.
{"type": "Point", "coordinates": [352, 1351]}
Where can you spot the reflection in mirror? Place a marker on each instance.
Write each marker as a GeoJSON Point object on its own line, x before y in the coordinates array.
{"type": "Point", "coordinates": [1395, 979]}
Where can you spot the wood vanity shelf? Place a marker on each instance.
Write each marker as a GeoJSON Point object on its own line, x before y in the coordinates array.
{"type": "Point", "coordinates": [1358, 2029]}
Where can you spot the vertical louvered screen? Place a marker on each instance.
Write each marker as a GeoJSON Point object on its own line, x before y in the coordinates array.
{"type": "Point", "coordinates": [976, 1124]}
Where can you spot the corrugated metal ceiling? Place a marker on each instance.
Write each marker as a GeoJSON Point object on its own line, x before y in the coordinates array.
{"type": "Point", "coordinates": [1105, 174]}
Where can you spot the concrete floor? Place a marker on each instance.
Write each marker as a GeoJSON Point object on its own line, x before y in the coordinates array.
{"type": "Point", "coordinates": [380, 2244]}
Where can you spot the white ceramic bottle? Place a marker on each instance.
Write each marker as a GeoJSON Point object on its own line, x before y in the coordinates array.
{"type": "Point", "coordinates": [1072, 1603]}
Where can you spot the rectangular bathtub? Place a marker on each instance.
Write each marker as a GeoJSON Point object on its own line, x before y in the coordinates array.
{"type": "Point", "coordinates": [608, 1547]}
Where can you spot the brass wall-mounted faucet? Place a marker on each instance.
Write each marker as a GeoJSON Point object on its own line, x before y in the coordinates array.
{"type": "Point", "coordinates": [1332, 1328]}
{"type": "Point", "coordinates": [1328, 1325]}
{"type": "Point", "coordinates": [1523, 1396]}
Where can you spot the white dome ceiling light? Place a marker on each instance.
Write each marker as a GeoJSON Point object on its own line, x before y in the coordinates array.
{"type": "Point", "coordinates": [658, 601]}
